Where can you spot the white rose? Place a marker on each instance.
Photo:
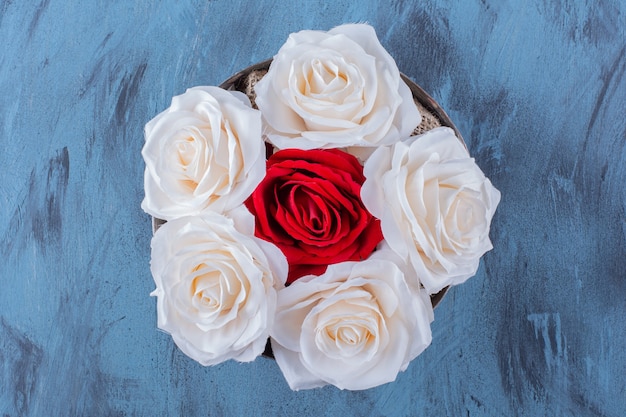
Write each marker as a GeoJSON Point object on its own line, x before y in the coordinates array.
{"type": "Point", "coordinates": [204, 151]}
{"type": "Point", "coordinates": [216, 285]}
{"type": "Point", "coordinates": [355, 327]}
{"type": "Point", "coordinates": [435, 206]}
{"type": "Point", "coordinates": [335, 89]}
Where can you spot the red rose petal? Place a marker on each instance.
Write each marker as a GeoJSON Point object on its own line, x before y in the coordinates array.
{"type": "Point", "coordinates": [309, 205]}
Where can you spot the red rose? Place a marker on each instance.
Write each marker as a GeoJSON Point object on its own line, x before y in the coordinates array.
{"type": "Point", "coordinates": [309, 205]}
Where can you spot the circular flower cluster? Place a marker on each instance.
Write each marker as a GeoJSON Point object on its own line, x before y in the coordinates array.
{"type": "Point", "coordinates": [360, 220]}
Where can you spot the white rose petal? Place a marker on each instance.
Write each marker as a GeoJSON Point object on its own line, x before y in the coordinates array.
{"type": "Point", "coordinates": [335, 89]}
{"type": "Point", "coordinates": [204, 152]}
{"type": "Point", "coordinates": [216, 286]}
{"type": "Point", "coordinates": [435, 206]}
{"type": "Point", "coordinates": [355, 327]}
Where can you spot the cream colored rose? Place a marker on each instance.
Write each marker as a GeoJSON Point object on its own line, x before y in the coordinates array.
{"type": "Point", "coordinates": [216, 285]}
{"type": "Point", "coordinates": [205, 151]}
{"type": "Point", "coordinates": [435, 206]}
{"type": "Point", "coordinates": [355, 327]}
{"type": "Point", "coordinates": [335, 89]}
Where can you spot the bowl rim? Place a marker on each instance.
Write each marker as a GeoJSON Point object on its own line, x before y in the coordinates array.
{"type": "Point", "coordinates": [235, 82]}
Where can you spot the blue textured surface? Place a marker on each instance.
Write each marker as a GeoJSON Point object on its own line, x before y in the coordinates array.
{"type": "Point", "coordinates": [538, 90]}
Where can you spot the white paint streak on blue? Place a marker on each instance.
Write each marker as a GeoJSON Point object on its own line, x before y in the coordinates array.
{"type": "Point", "coordinates": [606, 365]}
{"type": "Point", "coordinates": [548, 327]}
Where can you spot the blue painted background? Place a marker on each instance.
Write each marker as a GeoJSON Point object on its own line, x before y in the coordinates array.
{"type": "Point", "coordinates": [538, 90]}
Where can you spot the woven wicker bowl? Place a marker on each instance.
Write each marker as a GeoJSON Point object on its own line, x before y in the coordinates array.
{"type": "Point", "coordinates": [432, 116]}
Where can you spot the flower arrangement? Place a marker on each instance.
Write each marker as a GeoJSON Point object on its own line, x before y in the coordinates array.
{"type": "Point", "coordinates": [312, 215]}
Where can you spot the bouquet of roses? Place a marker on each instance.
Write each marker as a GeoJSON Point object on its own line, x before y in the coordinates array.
{"type": "Point", "coordinates": [312, 215]}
